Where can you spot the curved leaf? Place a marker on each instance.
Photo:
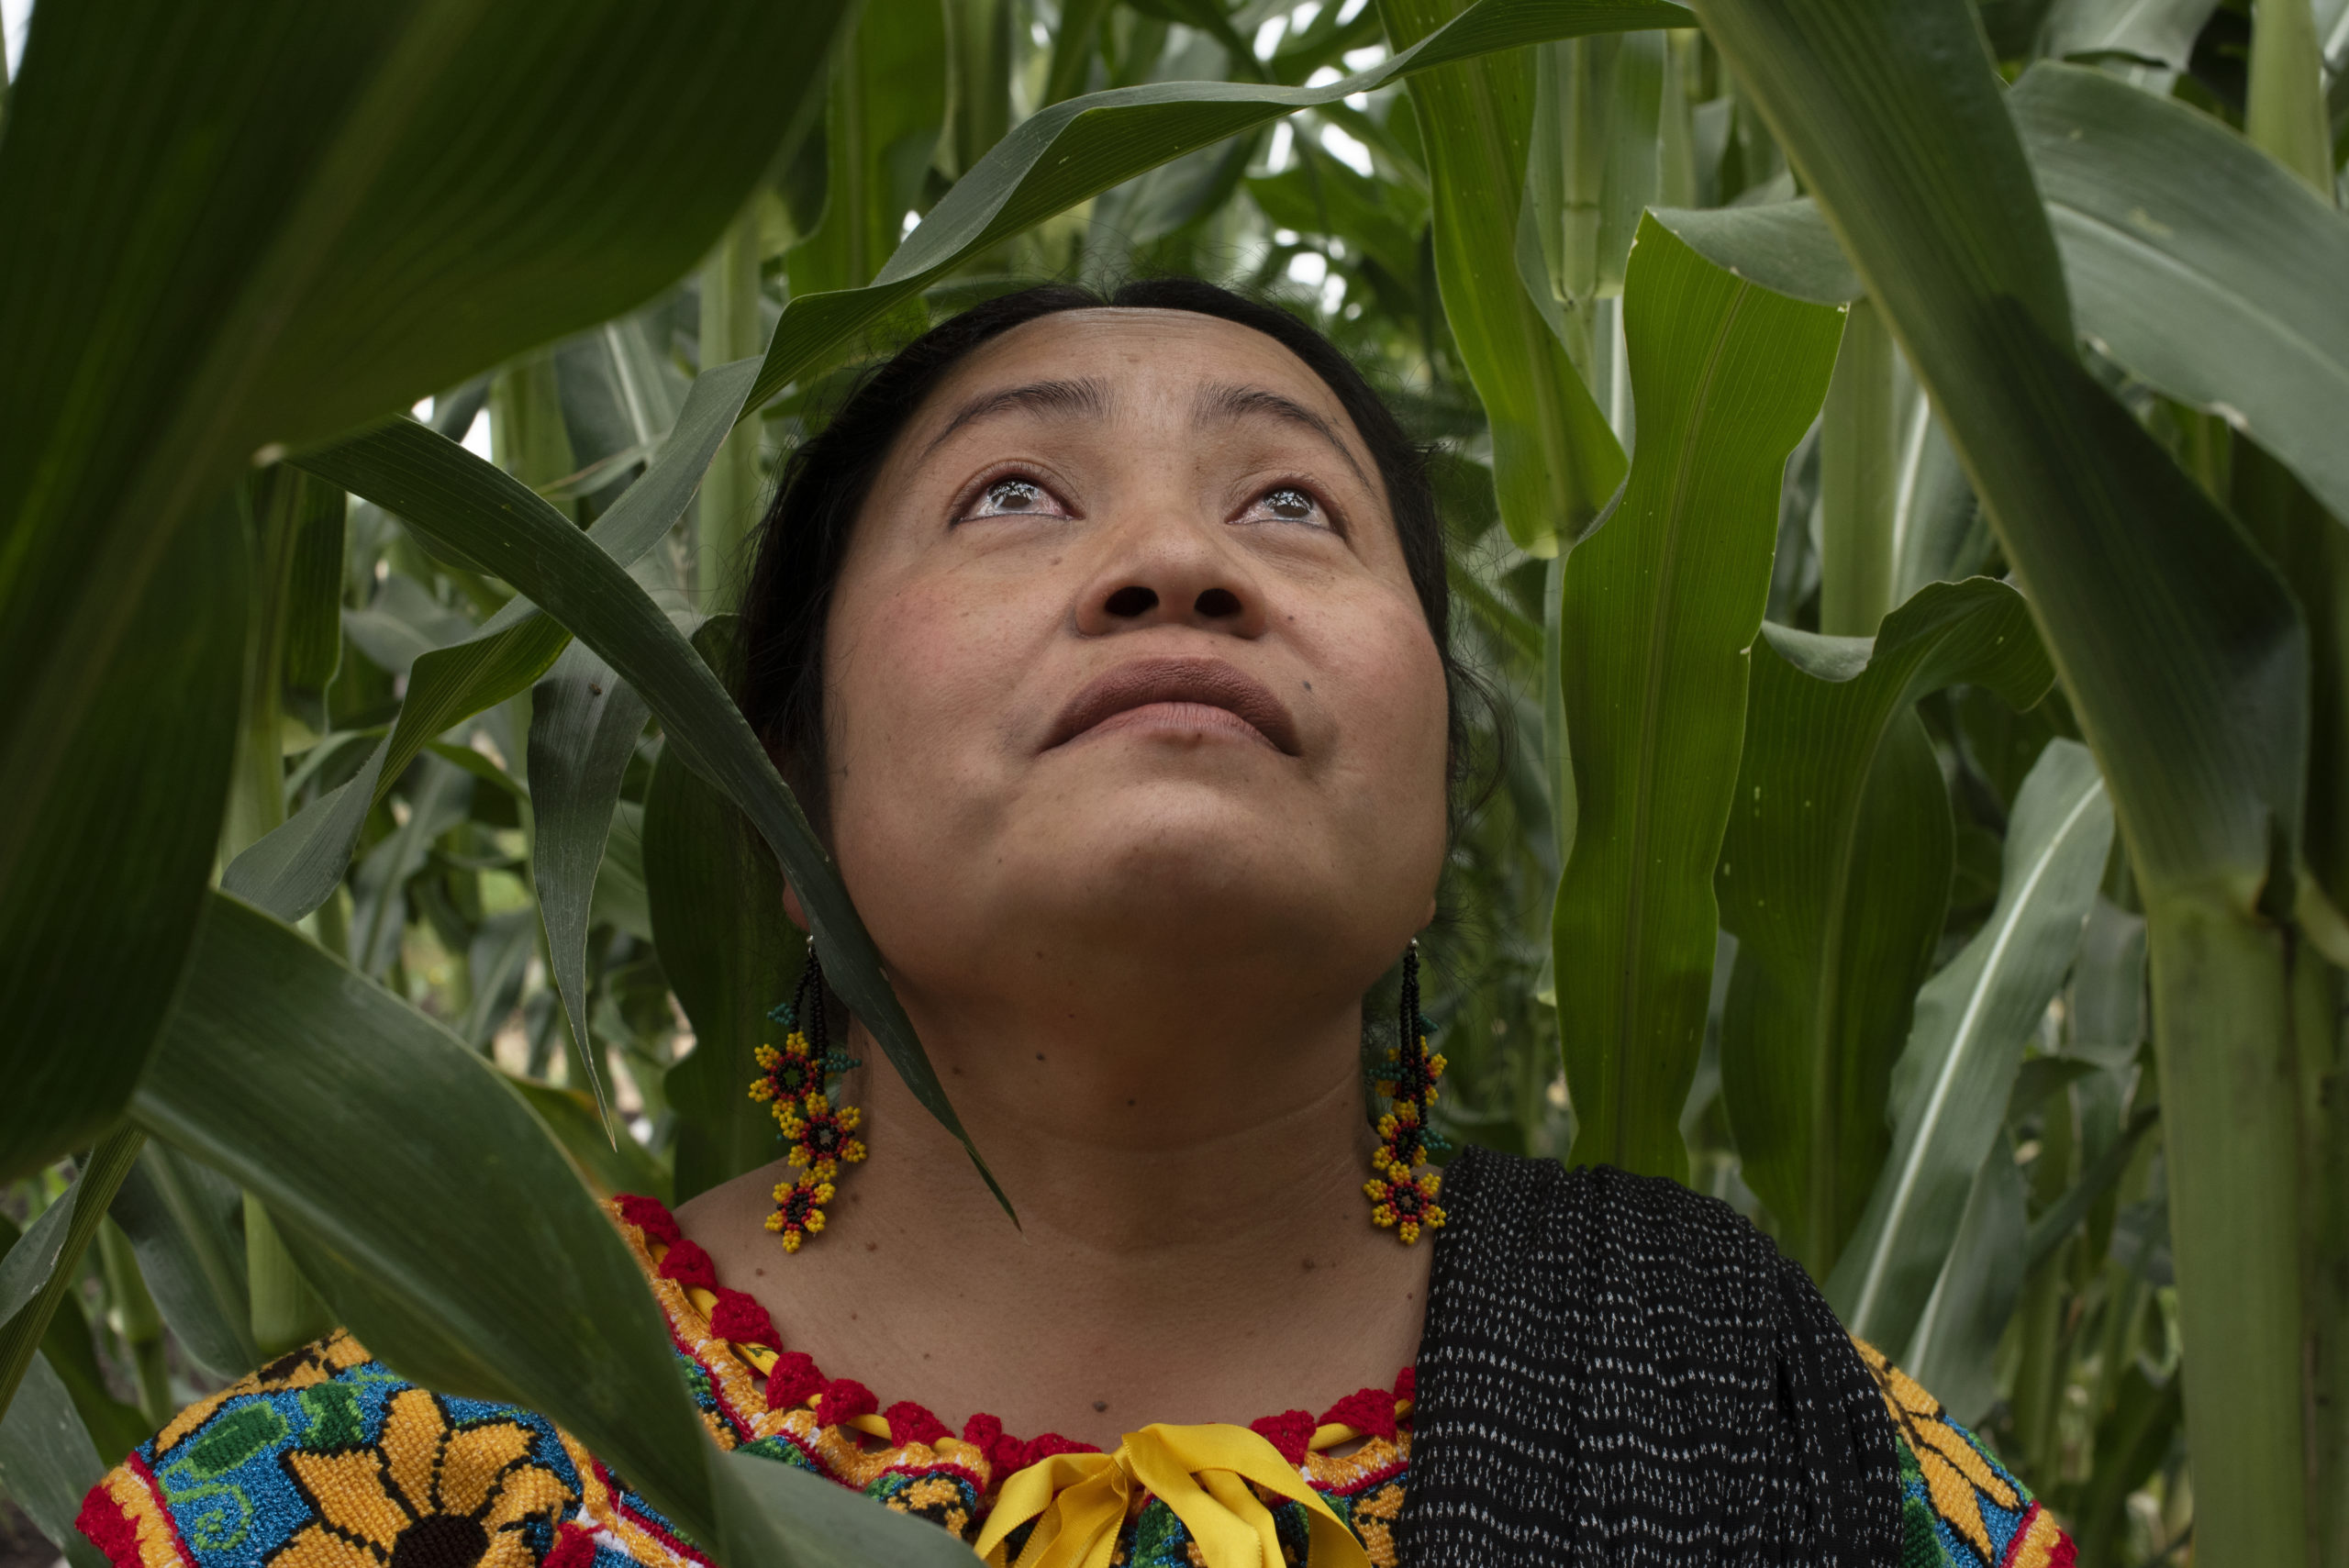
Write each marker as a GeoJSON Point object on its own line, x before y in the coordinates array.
{"type": "Point", "coordinates": [1973, 1019]}
{"type": "Point", "coordinates": [585, 723]}
{"type": "Point", "coordinates": [1060, 155]}
{"type": "Point", "coordinates": [421, 1196]}
{"type": "Point", "coordinates": [1660, 606]}
{"type": "Point", "coordinates": [259, 224]}
{"type": "Point", "coordinates": [48, 1462]}
{"type": "Point", "coordinates": [730, 954]}
{"type": "Point", "coordinates": [1556, 461]}
{"type": "Point", "coordinates": [296, 868]}
{"type": "Point", "coordinates": [2197, 262]}
{"type": "Point", "coordinates": [1834, 875]}
{"type": "Point", "coordinates": [41, 1268]}
{"type": "Point", "coordinates": [179, 1216]}
{"type": "Point", "coordinates": [2183, 653]}
{"type": "Point", "coordinates": [468, 508]}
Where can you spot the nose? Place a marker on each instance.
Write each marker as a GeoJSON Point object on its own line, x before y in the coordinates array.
{"type": "Point", "coordinates": [1173, 576]}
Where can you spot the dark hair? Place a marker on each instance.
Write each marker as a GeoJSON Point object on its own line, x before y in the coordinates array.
{"type": "Point", "coordinates": [804, 536]}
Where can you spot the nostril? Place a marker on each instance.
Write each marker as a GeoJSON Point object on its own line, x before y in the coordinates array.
{"type": "Point", "coordinates": [1217, 602]}
{"type": "Point", "coordinates": [1130, 601]}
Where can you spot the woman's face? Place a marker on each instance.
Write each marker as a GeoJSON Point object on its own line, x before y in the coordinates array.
{"type": "Point", "coordinates": [1126, 677]}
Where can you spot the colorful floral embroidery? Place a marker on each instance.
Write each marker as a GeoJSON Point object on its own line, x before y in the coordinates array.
{"type": "Point", "coordinates": [1960, 1506]}
{"type": "Point", "coordinates": [327, 1459]}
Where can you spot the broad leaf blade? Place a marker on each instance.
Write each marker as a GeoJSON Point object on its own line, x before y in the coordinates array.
{"type": "Point", "coordinates": [730, 954]}
{"type": "Point", "coordinates": [2197, 262]}
{"type": "Point", "coordinates": [585, 723]}
{"type": "Point", "coordinates": [1556, 461]}
{"type": "Point", "coordinates": [48, 1462]}
{"type": "Point", "coordinates": [463, 506]}
{"type": "Point", "coordinates": [1833, 877]}
{"type": "Point", "coordinates": [1660, 606]}
{"type": "Point", "coordinates": [181, 1217]}
{"type": "Point", "coordinates": [1063, 154]}
{"type": "Point", "coordinates": [259, 225]}
{"type": "Point", "coordinates": [420, 1196]}
{"type": "Point", "coordinates": [1950, 1086]}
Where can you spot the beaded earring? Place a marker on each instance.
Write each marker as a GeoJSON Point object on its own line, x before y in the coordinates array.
{"type": "Point", "coordinates": [1399, 1199]}
{"type": "Point", "coordinates": [799, 1082]}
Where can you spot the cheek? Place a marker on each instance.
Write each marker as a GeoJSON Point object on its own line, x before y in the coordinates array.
{"type": "Point", "coordinates": [920, 679]}
{"type": "Point", "coordinates": [1393, 690]}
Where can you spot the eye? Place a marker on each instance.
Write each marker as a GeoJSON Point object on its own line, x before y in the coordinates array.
{"type": "Point", "coordinates": [1285, 503]}
{"type": "Point", "coordinates": [1012, 496]}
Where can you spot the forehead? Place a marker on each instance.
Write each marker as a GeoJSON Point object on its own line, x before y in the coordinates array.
{"type": "Point", "coordinates": [1144, 354]}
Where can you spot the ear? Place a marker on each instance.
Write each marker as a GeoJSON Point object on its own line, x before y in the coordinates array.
{"type": "Point", "coordinates": [792, 908]}
{"type": "Point", "coordinates": [1425, 921]}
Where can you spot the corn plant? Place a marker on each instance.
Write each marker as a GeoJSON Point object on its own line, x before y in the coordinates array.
{"type": "Point", "coordinates": [1891, 465]}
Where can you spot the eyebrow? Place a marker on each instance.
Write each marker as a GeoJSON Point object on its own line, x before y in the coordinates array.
{"type": "Point", "coordinates": [1085, 398]}
{"type": "Point", "coordinates": [1229, 402]}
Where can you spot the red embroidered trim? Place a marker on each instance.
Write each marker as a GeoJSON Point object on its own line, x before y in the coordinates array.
{"type": "Point", "coordinates": [796, 1377]}
{"type": "Point", "coordinates": [1367, 1410]}
{"type": "Point", "coordinates": [650, 1216]}
{"type": "Point", "coordinates": [1291, 1433]}
{"type": "Point", "coordinates": [687, 1264]}
{"type": "Point", "coordinates": [108, 1528]}
{"type": "Point", "coordinates": [844, 1399]}
{"type": "Point", "coordinates": [574, 1547]}
{"type": "Point", "coordinates": [793, 1381]}
{"type": "Point", "coordinates": [739, 1317]}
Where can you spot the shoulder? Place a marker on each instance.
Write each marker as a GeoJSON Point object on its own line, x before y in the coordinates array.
{"type": "Point", "coordinates": [328, 1458]}
{"type": "Point", "coordinates": [1958, 1504]}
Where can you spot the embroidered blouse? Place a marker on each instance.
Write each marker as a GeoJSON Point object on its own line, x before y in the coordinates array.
{"type": "Point", "coordinates": [328, 1458]}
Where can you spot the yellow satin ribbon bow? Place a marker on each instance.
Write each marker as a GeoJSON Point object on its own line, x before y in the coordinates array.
{"type": "Point", "coordinates": [1080, 1502]}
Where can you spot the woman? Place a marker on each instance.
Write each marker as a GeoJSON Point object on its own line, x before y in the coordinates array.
{"type": "Point", "coordinates": [1106, 642]}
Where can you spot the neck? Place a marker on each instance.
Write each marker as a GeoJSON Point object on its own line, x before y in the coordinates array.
{"type": "Point", "coordinates": [1193, 1242]}
{"type": "Point", "coordinates": [1190, 1131]}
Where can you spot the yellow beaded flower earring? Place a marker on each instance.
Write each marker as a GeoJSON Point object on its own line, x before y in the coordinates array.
{"type": "Point", "coordinates": [1399, 1200]}
{"type": "Point", "coordinates": [799, 1083]}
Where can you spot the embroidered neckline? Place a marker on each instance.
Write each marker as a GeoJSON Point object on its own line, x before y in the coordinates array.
{"type": "Point", "coordinates": [702, 1309]}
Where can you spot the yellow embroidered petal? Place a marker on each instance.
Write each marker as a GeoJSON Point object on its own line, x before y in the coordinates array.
{"type": "Point", "coordinates": [315, 1546]}
{"type": "Point", "coordinates": [352, 1496]}
{"type": "Point", "coordinates": [527, 1493]}
{"type": "Point", "coordinates": [474, 1459]}
{"type": "Point", "coordinates": [1964, 1458]}
{"type": "Point", "coordinates": [1956, 1501]}
{"type": "Point", "coordinates": [414, 1430]}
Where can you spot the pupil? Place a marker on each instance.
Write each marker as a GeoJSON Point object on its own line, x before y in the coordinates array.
{"type": "Point", "coordinates": [1015, 495]}
{"type": "Point", "coordinates": [1291, 503]}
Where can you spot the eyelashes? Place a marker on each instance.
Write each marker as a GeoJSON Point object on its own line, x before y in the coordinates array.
{"type": "Point", "coordinates": [1019, 495]}
{"type": "Point", "coordinates": [1012, 495]}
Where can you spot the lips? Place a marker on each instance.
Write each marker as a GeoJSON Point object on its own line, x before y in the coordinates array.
{"type": "Point", "coordinates": [1210, 683]}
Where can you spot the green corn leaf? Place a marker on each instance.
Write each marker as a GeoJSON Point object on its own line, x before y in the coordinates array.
{"type": "Point", "coordinates": [462, 505]}
{"type": "Point", "coordinates": [421, 1196]}
{"type": "Point", "coordinates": [608, 1163]}
{"type": "Point", "coordinates": [1556, 461]}
{"type": "Point", "coordinates": [1950, 1090]}
{"type": "Point", "coordinates": [2182, 652]}
{"type": "Point", "coordinates": [1954, 1349]}
{"type": "Point", "coordinates": [181, 1217]}
{"type": "Point", "coordinates": [2192, 258]}
{"type": "Point", "coordinates": [1833, 877]}
{"type": "Point", "coordinates": [41, 1268]}
{"type": "Point", "coordinates": [729, 953]}
{"type": "Point", "coordinates": [882, 119]}
{"type": "Point", "coordinates": [779, 1515]}
{"type": "Point", "coordinates": [1079, 147]}
{"type": "Point", "coordinates": [48, 1462]}
{"type": "Point", "coordinates": [261, 224]}
{"type": "Point", "coordinates": [1659, 607]}
{"type": "Point", "coordinates": [294, 868]}
{"type": "Point", "coordinates": [2197, 262]}
{"type": "Point", "coordinates": [585, 723]}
